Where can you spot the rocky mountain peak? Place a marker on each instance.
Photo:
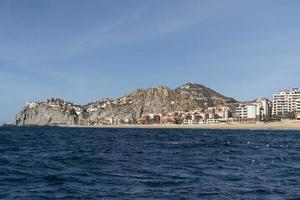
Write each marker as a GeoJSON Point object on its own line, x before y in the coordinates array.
{"type": "Point", "coordinates": [202, 92]}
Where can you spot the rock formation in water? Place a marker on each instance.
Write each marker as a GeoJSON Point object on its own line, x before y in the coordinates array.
{"type": "Point", "coordinates": [128, 108]}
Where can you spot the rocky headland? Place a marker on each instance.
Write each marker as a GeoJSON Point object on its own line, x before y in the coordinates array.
{"type": "Point", "coordinates": [127, 109]}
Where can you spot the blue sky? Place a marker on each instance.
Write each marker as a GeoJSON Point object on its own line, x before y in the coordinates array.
{"type": "Point", "coordinates": [82, 51]}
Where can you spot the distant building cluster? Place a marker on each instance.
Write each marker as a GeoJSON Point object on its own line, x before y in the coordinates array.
{"type": "Point", "coordinates": [285, 105]}
{"type": "Point", "coordinates": [111, 121]}
{"type": "Point", "coordinates": [210, 115]}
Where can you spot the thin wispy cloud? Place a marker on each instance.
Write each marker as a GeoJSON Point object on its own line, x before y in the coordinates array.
{"type": "Point", "coordinates": [129, 28]}
{"type": "Point", "coordinates": [144, 25]}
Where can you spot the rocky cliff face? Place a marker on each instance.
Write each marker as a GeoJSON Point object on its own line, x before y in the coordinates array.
{"type": "Point", "coordinates": [162, 99]}
{"type": "Point", "coordinates": [49, 112]}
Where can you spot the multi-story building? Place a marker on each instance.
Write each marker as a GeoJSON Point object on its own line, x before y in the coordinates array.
{"type": "Point", "coordinates": [258, 110]}
{"type": "Point", "coordinates": [246, 111]}
{"type": "Point", "coordinates": [264, 109]}
{"type": "Point", "coordinates": [223, 112]}
{"type": "Point", "coordinates": [286, 101]}
{"type": "Point", "coordinates": [298, 105]}
{"type": "Point", "coordinates": [219, 112]}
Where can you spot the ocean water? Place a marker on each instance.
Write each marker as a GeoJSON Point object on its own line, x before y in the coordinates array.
{"type": "Point", "coordinates": [69, 163]}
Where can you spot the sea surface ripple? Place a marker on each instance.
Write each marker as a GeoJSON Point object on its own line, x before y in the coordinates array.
{"type": "Point", "coordinates": [73, 163]}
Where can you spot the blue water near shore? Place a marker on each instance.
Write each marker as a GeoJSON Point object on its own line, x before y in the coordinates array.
{"type": "Point", "coordinates": [66, 163]}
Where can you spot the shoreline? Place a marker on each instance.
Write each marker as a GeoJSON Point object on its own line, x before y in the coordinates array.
{"type": "Point", "coordinates": [286, 125]}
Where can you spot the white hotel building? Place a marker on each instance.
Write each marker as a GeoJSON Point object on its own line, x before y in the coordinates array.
{"type": "Point", "coordinates": [286, 101]}
{"type": "Point", "coordinates": [246, 111]}
{"type": "Point", "coordinates": [258, 110]}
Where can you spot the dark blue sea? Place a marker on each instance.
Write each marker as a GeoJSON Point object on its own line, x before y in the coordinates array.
{"type": "Point", "coordinates": [71, 163]}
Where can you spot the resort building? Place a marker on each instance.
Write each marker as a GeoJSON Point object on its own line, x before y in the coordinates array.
{"type": "Point", "coordinates": [246, 111]}
{"type": "Point", "coordinates": [259, 110]}
{"type": "Point", "coordinates": [223, 112]}
{"type": "Point", "coordinates": [286, 101]}
{"type": "Point", "coordinates": [219, 112]}
{"type": "Point", "coordinates": [149, 119]}
{"type": "Point", "coordinates": [264, 109]}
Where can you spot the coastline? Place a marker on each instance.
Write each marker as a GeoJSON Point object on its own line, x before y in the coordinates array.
{"type": "Point", "coordinates": [285, 125]}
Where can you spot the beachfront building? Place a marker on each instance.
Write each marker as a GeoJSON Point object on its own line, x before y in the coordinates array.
{"type": "Point", "coordinates": [150, 119]}
{"type": "Point", "coordinates": [223, 112]}
{"type": "Point", "coordinates": [219, 112]}
{"type": "Point", "coordinates": [258, 110]}
{"type": "Point", "coordinates": [246, 111]}
{"type": "Point", "coordinates": [264, 109]}
{"type": "Point", "coordinates": [286, 101]}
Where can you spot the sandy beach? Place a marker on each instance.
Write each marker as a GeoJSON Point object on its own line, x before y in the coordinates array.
{"type": "Point", "coordinates": [285, 125]}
